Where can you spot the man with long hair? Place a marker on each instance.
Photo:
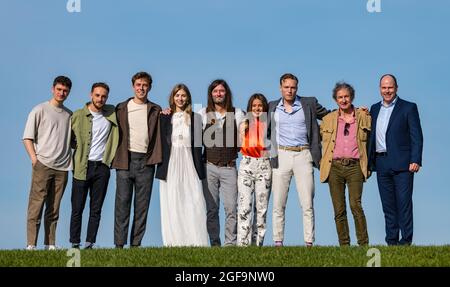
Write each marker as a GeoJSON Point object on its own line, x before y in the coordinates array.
{"type": "Point", "coordinates": [220, 122]}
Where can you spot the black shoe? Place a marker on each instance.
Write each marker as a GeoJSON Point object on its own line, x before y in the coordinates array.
{"type": "Point", "coordinates": [76, 245]}
{"type": "Point", "coordinates": [119, 246]}
{"type": "Point", "coordinates": [215, 243]}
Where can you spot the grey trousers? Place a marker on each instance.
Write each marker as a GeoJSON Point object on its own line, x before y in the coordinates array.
{"type": "Point", "coordinates": [138, 179]}
{"type": "Point", "coordinates": [221, 181]}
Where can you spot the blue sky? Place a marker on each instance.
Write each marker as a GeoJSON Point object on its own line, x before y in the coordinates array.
{"type": "Point", "coordinates": [250, 44]}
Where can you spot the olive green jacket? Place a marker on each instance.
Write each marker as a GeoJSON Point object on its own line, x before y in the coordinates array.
{"type": "Point", "coordinates": [82, 137]}
{"type": "Point", "coordinates": [328, 130]}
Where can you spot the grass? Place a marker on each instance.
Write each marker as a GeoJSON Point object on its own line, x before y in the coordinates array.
{"type": "Point", "coordinates": [320, 256]}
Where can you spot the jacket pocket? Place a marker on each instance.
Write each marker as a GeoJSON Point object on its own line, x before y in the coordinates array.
{"type": "Point", "coordinates": [326, 133]}
{"type": "Point", "coordinates": [364, 132]}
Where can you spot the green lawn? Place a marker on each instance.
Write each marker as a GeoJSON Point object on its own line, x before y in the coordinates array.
{"type": "Point", "coordinates": [235, 257]}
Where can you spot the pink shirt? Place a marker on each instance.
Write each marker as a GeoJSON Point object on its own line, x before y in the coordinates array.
{"type": "Point", "coordinates": [346, 145]}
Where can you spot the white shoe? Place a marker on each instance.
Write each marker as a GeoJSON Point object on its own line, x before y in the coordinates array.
{"type": "Point", "coordinates": [31, 247]}
{"type": "Point", "coordinates": [51, 247]}
{"type": "Point", "coordinates": [89, 245]}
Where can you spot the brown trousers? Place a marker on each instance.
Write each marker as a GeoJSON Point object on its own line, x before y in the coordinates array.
{"type": "Point", "coordinates": [350, 174]}
{"type": "Point", "coordinates": [47, 187]}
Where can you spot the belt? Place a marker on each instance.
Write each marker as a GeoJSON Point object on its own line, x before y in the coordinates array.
{"type": "Point", "coordinates": [95, 163]}
{"type": "Point", "coordinates": [346, 161]}
{"type": "Point", "coordinates": [256, 158]}
{"type": "Point", "coordinates": [294, 148]}
{"type": "Point", "coordinates": [381, 154]}
{"type": "Point", "coordinates": [224, 164]}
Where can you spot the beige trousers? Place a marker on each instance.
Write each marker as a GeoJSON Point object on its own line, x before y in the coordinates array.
{"type": "Point", "coordinates": [299, 165]}
{"type": "Point", "coordinates": [47, 187]}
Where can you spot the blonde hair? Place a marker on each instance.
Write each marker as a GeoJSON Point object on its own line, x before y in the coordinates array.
{"type": "Point", "coordinates": [188, 104]}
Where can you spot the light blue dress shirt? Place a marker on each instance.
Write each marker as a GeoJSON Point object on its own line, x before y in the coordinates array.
{"type": "Point", "coordinates": [291, 126]}
{"type": "Point", "coordinates": [382, 124]}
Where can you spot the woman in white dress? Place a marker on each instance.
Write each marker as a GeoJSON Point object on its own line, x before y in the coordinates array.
{"type": "Point", "coordinates": [183, 208]}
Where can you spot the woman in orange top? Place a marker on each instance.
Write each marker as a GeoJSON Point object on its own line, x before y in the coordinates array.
{"type": "Point", "coordinates": [255, 173]}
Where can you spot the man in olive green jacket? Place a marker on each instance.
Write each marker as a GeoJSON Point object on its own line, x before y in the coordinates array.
{"type": "Point", "coordinates": [95, 140]}
{"type": "Point", "coordinates": [344, 161]}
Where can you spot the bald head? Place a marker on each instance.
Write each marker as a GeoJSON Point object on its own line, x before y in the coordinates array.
{"type": "Point", "coordinates": [389, 76]}
{"type": "Point", "coordinates": [388, 88]}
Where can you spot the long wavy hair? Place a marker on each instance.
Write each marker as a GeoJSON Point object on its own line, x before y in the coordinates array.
{"type": "Point", "coordinates": [188, 104]}
{"type": "Point", "coordinates": [228, 96]}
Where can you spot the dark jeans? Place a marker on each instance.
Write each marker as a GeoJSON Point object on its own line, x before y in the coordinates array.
{"type": "Point", "coordinates": [340, 175]}
{"type": "Point", "coordinates": [96, 185]}
{"type": "Point", "coordinates": [138, 179]}
{"type": "Point", "coordinates": [396, 189]}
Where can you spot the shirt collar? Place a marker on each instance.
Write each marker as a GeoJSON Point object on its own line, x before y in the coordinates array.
{"type": "Point", "coordinates": [353, 114]}
{"type": "Point", "coordinates": [391, 104]}
{"type": "Point", "coordinates": [296, 102]}
{"type": "Point", "coordinates": [107, 111]}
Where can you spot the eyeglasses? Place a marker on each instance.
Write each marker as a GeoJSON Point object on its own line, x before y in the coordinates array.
{"type": "Point", "coordinates": [346, 129]}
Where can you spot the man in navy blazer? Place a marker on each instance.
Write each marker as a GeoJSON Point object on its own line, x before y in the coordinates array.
{"type": "Point", "coordinates": [395, 153]}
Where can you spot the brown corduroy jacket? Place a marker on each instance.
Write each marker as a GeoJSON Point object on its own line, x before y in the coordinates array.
{"type": "Point", "coordinates": [154, 150]}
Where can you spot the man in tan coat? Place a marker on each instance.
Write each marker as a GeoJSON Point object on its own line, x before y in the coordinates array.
{"type": "Point", "coordinates": [344, 162]}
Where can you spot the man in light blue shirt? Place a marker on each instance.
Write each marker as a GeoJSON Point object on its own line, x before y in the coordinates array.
{"type": "Point", "coordinates": [295, 150]}
{"type": "Point", "coordinates": [291, 125]}
{"type": "Point", "coordinates": [395, 153]}
{"type": "Point", "coordinates": [382, 124]}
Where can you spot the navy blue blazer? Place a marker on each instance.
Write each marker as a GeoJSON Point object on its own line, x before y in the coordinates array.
{"type": "Point", "coordinates": [196, 145]}
{"type": "Point", "coordinates": [404, 138]}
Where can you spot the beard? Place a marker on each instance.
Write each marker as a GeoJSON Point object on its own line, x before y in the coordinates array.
{"type": "Point", "coordinates": [218, 100]}
{"type": "Point", "coordinates": [98, 106]}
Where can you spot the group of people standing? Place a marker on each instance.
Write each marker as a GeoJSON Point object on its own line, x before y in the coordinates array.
{"type": "Point", "coordinates": [194, 156]}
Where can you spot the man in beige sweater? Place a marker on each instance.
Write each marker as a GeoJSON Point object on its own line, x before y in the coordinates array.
{"type": "Point", "coordinates": [47, 141]}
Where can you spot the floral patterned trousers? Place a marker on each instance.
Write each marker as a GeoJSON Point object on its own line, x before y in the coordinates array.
{"type": "Point", "coordinates": [254, 184]}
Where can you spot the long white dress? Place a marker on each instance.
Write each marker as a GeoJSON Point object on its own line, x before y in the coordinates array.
{"type": "Point", "coordinates": [183, 207]}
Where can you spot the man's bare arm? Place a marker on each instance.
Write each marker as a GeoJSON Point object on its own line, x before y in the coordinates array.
{"type": "Point", "coordinates": [29, 146]}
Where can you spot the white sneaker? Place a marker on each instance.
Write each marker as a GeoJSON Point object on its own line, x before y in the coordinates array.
{"type": "Point", "coordinates": [31, 247]}
{"type": "Point", "coordinates": [50, 247]}
{"type": "Point", "coordinates": [89, 245]}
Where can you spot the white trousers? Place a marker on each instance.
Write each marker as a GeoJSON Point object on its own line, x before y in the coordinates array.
{"type": "Point", "coordinates": [299, 165]}
{"type": "Point", "coordinates": [254, 182]}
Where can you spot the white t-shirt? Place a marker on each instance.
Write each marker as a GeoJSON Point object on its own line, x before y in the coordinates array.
{"type": "Point", "coordinates": [137, 122]}
{"type": "Point", "coordinates": [100, 131]}
{"type": "Point", "coordinates": [49, 129]}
